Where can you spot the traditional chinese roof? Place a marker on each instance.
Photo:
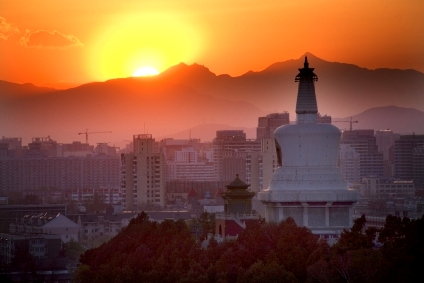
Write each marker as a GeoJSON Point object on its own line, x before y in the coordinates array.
{"type": "Point", "coordinates": [237, 189]}
{"type": "Point", "coordinates": [192, 193]}
{"type": "Point", "coordinates": [237, 184]}
{"type": "Point", "coordinates": [219, 192]}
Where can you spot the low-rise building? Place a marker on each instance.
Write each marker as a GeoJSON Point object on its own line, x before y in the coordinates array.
{"type": "Point", "coordinates": [40, 246]}
{"type": "Point", "coordinates": [46, 223]}
{"type": "Point", "coordinates": [99, 227]}
{"type": "Point", "coordinates": [111, 195]}
{"type": "Point", "coordinates": [9, 213]}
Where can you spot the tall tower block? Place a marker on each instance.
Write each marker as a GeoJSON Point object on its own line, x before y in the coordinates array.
{"type": "Point", "coordinates": [309, 186]}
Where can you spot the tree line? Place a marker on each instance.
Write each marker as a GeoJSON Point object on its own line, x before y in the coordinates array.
{"type": "Point", "coordinates": [147, 251]}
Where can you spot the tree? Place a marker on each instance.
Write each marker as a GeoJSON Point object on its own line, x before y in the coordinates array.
{"type": "Point", "coordinates": [403, 248]}
{"type": "Point", "coordinates": [207, 221]}
{"type": "Point", "coordinates": [267, 272]}
{"type": "Point", "coordinates": [352, 259]}
{"type": "Point", "coordinates": [147, 251]}
{"type": "Point", "coordinates": [73, 249]}
{"type": "Point", "coordinates": [357, 237]}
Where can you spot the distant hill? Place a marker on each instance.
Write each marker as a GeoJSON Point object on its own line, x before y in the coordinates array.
{"type": "Point", "coordinates": [124, 106]}
{"type": "Point", "coordinates": [398, 119]}
{"type": "Point", "coordinates": [184, 97]}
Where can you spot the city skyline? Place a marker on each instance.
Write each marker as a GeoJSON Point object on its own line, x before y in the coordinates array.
{"type": "Point", "coordinates": [57, 44]}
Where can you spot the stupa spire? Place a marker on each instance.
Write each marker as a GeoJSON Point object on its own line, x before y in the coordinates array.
{"type": "Point", "coordinates": [306, 99]}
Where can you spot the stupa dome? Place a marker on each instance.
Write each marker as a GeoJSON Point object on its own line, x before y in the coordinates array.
{"type": "Point", "coordinates": [309, 186]}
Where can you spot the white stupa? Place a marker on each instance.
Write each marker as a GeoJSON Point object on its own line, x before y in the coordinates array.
{"type": "Point", "coordinates": [309, 186]}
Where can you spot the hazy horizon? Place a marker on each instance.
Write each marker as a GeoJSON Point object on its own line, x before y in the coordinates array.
{"type": "Point", "coordinates": [65, 45]}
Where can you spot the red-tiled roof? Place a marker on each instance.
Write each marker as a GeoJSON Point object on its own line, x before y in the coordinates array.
{"type": "Point", "coordinates": [192, 193]}
{"type": "Point", "coordinates": [232, 228]}
{"type": "Point", "coordinates": [219, 192]}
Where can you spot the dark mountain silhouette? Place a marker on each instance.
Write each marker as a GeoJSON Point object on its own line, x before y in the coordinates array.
{"type": "Point", "coordinates": [13, 90]}
{"type": "Point", "coordinates": [342, 89]}
{"type": "Point", "coordinates": [184, 96]}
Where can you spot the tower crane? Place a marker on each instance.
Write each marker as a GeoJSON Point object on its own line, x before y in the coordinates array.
{"type": "Point", "coordinates": [350, 122]}
{"type": "Point", "coordinates": [87, 132]}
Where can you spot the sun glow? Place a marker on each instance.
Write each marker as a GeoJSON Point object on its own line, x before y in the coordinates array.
{"type": "Point", "coordinates": [145, 72]}
{"type": "Point", "coordinates": [159, 40]}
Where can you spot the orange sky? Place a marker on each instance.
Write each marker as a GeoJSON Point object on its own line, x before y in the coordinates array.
{"type": "Point", "coordinates": [82, 41]}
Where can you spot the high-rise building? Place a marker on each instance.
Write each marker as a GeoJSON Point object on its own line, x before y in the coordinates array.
{"type": "Point", "coordinates": [64, 173]}
{"type": "Point", "coordinates": [230, 149]}
{"type": "Point", "coordinates": [376, 188]}
{"type": "Point", "coordinates": [309, 187]}
{"type": "Point", "coordinates": [363, 143]}
{"type": "Point", "coordinates": [418, 167]}
{"type": "Point", "coordinates": [349, 163]}
{"type": "Point", "coordinates": [105, 149]}
{"type": "Point", "coordinates": [404, 157]}
{"type": "Point", "coordinates": [188, 166]}
{"type": "Point", "coordinates": [323, 119]}
{"type": "Point", "coordinates": [11, 147]}
{"type": "Point", "coordinates": [143, 175]}
{"type": "Point", "coordinates": [267, 125]}
{"type": "Point", "coordinates": [42, 147]}
{"type": "Point", "coordinates": [199, 171]}
{"type": "Point", "coordinates": [75, 148]}
{"type": "Point", "coordinates": [385, 140]}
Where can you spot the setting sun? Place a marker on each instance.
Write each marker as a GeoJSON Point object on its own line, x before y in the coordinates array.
{"type": "Point", "coordinates": [135, 40]}
{"type": "Point", "coordinates": [145, 71]}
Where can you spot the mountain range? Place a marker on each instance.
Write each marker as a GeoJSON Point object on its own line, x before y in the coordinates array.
{"type": "Point", "coordinates": [186, 99]}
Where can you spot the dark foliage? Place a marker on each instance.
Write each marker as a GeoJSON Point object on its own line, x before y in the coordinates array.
{"type": "Point", "coordinates": [391, 254]}
{"type": "Point", "coordinates": [167, 252]}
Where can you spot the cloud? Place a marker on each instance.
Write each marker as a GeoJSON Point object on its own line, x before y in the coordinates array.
{"type": "Point", "coordinates": [7, 29]}
{"type": "Point", "coordinates": [47, 39]}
